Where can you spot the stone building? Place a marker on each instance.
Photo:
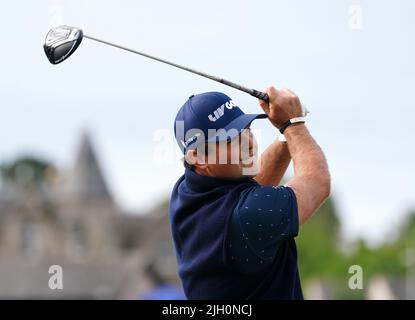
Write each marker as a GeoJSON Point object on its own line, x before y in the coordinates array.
{"type": "Point", "coordinates": [70, 219]}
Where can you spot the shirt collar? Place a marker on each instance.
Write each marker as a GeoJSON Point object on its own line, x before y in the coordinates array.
{"type": "Point", "coordinates": [200, 183]}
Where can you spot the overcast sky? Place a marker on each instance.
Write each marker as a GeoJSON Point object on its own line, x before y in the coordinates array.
{"type": "Point", "coordinates": [351, 63]}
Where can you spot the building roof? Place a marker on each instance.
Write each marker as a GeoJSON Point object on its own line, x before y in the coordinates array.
{"type": "Point", "coordinates": [87, 181]}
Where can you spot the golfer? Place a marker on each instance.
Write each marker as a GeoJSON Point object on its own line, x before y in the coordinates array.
{"type": "Point", "coordinates": [233, 224]}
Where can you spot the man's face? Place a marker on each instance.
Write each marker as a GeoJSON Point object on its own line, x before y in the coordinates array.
{"type": "Point", "coordinates": [232, 160]}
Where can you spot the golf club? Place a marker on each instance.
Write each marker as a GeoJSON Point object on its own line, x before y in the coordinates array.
{"type": "Point", "coordinates": [62, 41]}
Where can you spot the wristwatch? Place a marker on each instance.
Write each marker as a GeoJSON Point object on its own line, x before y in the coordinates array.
{"type": "Point", "coordinates": [290, 122]}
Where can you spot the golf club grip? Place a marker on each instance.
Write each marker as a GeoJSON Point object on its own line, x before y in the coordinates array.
{"type": "Point", "coordinates": [260, 95]}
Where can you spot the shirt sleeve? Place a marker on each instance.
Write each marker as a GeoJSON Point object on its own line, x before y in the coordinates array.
{"type": "Point", "coordinates": [263, 218]}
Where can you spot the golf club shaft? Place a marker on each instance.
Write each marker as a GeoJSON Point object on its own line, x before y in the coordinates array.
{"type": "Point", "coordinates": [252, 92]}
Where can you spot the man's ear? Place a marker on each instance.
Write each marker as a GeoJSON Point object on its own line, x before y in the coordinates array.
{"type": "Point", "coordinates": [194, 159]}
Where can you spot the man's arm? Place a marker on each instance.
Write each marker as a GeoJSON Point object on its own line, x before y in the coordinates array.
{"type": "Point", "coordinates": [274, 162]}
{"type": "Point", "coordinates": [311, 181]}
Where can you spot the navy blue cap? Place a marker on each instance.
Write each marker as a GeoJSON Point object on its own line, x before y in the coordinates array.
{"type": "Point", "coordinates": [203, 116]}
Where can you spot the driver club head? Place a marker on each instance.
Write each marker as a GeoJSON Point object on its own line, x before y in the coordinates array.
{"type": "Point", "coordinates": [61, 42]}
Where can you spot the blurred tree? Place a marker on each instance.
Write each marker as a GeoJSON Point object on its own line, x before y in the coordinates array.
{"type": "Point", "coordinates": [317, 244]}
{"type": "Point", "coordinates": [31, 174]}
{"type": "Point", "coordinates": [407, 234]}
{"type": "Point", "coordinates": [320, 256]}
{"type": "Point", "coordinates": [391, 258]}
{"type": "Point", "coordinates": [25, 171]}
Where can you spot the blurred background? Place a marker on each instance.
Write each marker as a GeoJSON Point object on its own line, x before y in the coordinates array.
{"type": "Point", "coordinates": [88, 157]}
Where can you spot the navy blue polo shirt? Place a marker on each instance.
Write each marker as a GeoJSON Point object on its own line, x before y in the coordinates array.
{"type": "Point", "coordinates": [234, 239]}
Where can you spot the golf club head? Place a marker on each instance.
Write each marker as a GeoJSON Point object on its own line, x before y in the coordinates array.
{"type": "Point", "coordinates": [61, 42]}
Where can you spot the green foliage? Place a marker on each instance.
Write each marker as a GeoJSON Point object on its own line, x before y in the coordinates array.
{"type": "Point", "coordinates": [29, 173]}
{"type": "Point", "coordinates": [408, 230]}
{"type": "Point", "coordinates": [386, 259]}
{"type": "Point", "coordinates": [320, 256]}
{"type": "Point", "coordinates": [25, 170]}
{"type": "Point", "coordinates": [317, 244]}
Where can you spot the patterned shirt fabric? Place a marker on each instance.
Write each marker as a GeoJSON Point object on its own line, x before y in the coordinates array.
{"type": "Point", "coordinates": [262, 220]}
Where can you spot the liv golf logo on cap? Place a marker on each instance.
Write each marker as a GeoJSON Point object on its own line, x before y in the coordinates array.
{"type": "Point", "coordinates": [219, 112]}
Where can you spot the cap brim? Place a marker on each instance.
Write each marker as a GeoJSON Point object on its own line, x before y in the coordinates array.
{"type": "Point", "coordinates": [239, 124]}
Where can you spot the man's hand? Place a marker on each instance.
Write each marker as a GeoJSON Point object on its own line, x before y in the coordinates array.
{"type": "Point", "coordinates": [283, 105]}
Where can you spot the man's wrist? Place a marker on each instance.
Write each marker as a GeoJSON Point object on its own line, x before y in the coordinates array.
{"type": "Point", "coordinates": [290, 122]}
{"type": "Point", "coordinates": [295, 127]}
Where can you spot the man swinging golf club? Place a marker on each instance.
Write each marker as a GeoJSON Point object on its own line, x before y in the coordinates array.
{"type": "Point", "coordinates": [234, 232]}
{"type": "Point", "coordinates": [234, 228]}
